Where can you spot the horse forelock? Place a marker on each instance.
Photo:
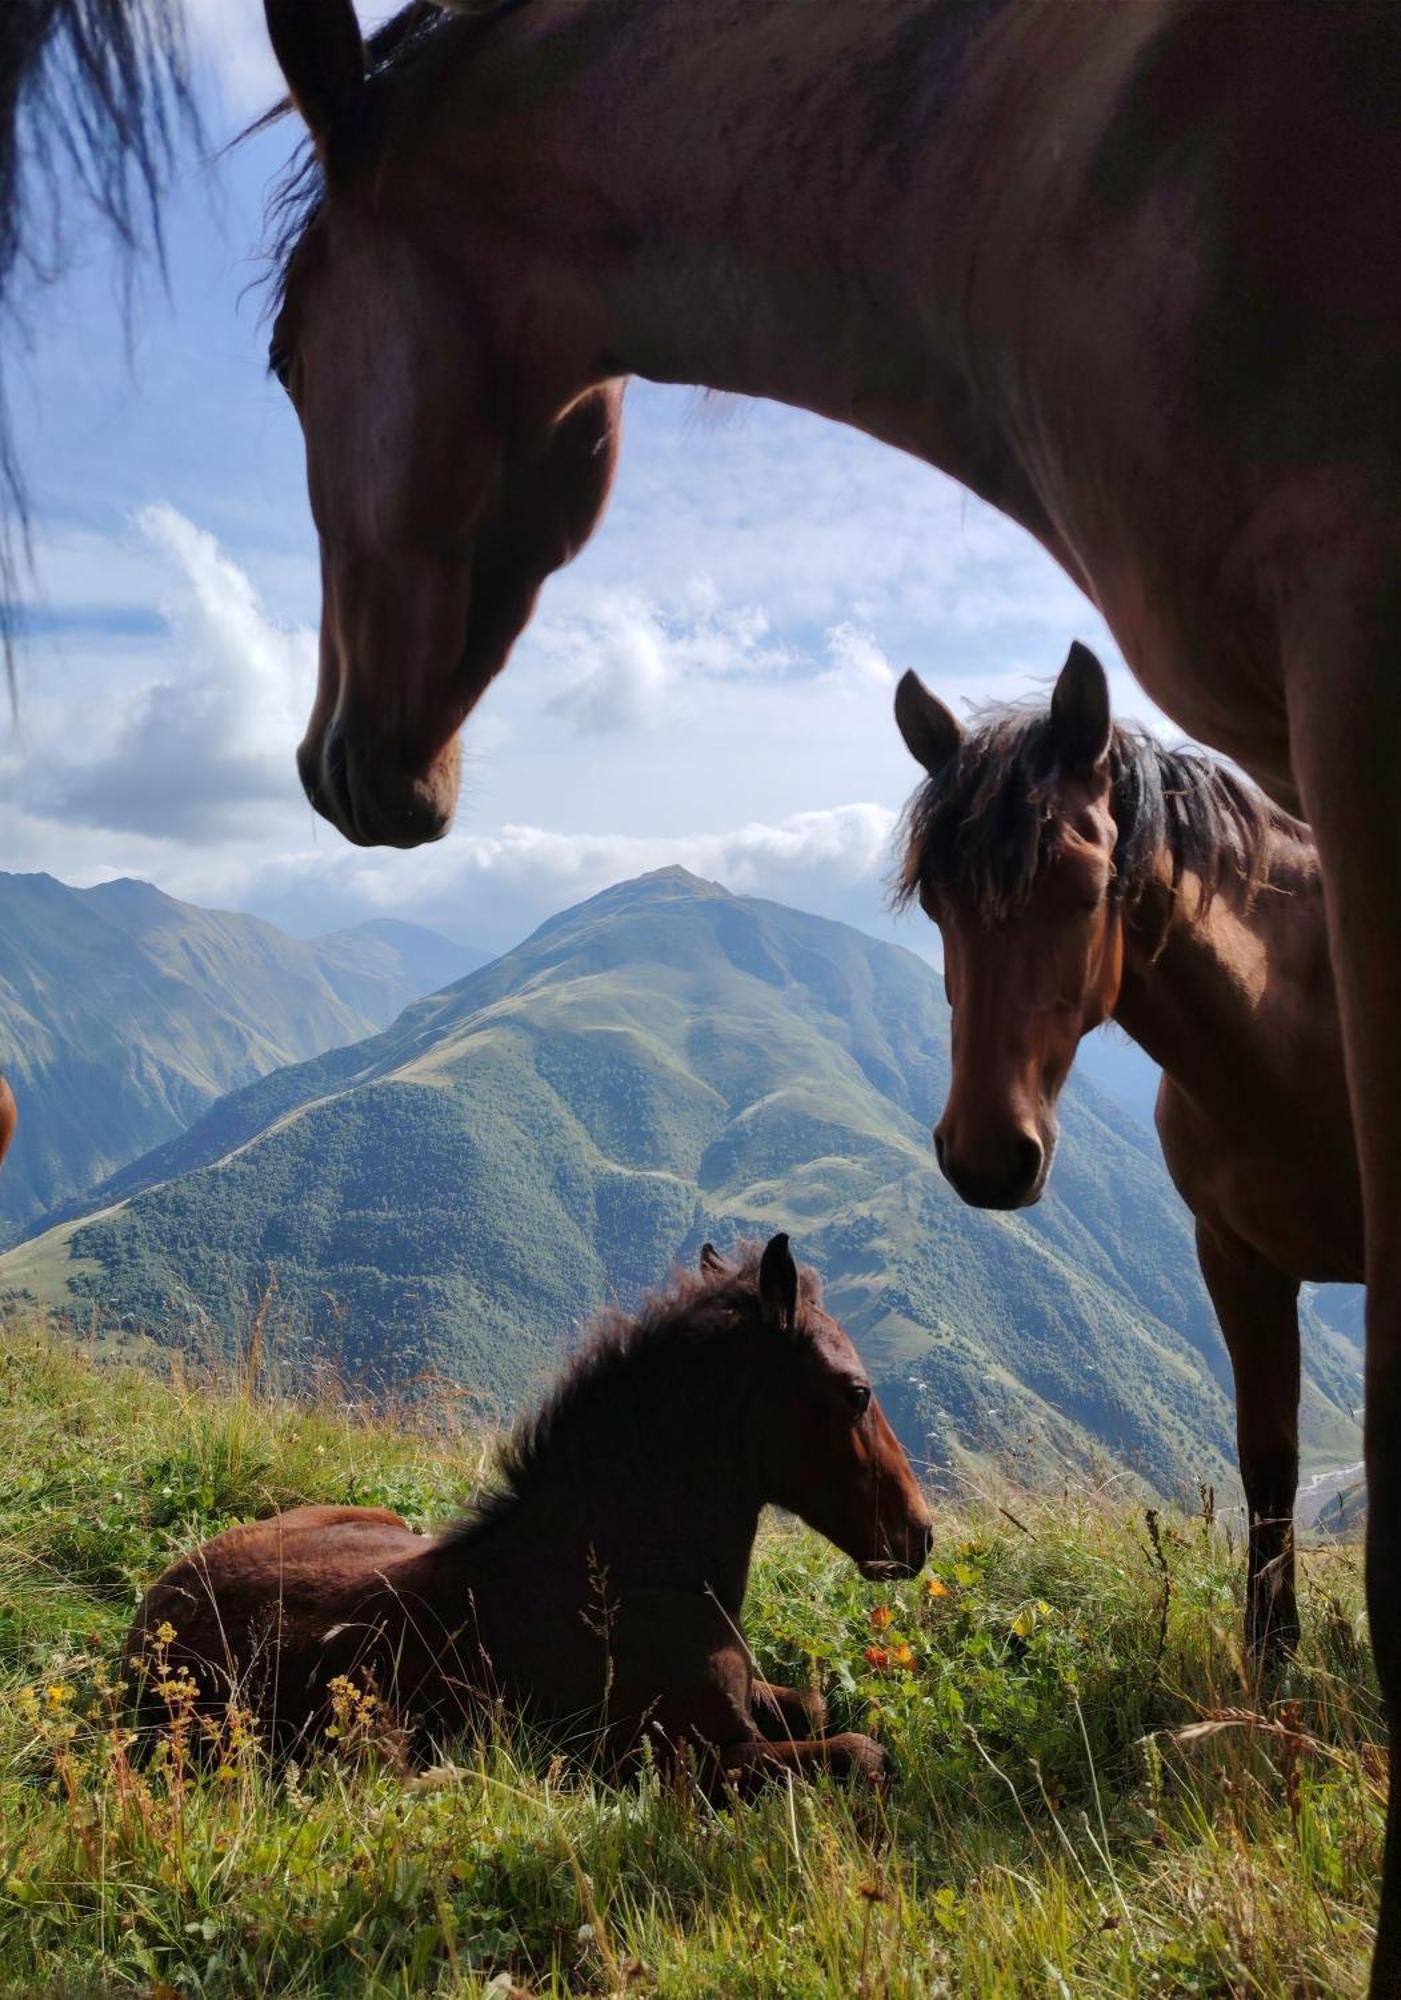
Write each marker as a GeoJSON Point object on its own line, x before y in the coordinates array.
{"type": "Point", "coordinates": [979, 830]}
{"type": "Point", "coordinates": [398, 50]}
{"type": "Point", "coordinates": [694, 1311]}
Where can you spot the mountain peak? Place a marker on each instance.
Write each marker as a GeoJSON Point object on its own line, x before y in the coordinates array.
{"type": "Point", "coordinates": [664, 882]}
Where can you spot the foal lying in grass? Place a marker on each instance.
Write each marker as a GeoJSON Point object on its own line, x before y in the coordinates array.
{"type": "Point", "coordinates": [599, 1588]}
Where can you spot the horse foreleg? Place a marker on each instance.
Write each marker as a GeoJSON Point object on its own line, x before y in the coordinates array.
{"type": "Point", "coordinates": [746, 1767]}
{"type": "Point", "coordinates": [1258, 1307]}
{"type": "Point", "coordinates": [1344, 691]}
{"type": "Point", "coordinates": [785, 1714]}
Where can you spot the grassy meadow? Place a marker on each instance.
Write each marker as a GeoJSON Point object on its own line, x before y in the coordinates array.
{"type": "Point", "coordinates": [1093, 1800]}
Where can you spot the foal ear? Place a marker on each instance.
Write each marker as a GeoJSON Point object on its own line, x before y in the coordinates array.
{"type": "Point", "coordinates": [778, 1284]}
{"type": "Point", "coordinates": [322, 57]}
{"type": "Point", "coordinates": [712, 1264]}
{"type": "Point", "coordinates": [932, 732]}
{"type": "Point", "coordinates": [1080, 720]}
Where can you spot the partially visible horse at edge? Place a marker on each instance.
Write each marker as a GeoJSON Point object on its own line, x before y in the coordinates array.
{"type": "Point", "coordinates": [600, 1589]}
{"type": "Point", "coordinates": [1130, 273]}
{"type": "Point", "coordinates": [1080, 872]}
{"type": "Point", "coordinates": [92, 96]}
{"type": "Point", "coordinates": [9, 1117]}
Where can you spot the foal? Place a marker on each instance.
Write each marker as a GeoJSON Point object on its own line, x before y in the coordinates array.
{"type": "Point", "coordinates": [1078, 871]}
{"type": "Point", "coordinates": [601, 1586]}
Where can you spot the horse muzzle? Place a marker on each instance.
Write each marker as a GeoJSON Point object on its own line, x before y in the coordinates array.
{"type": "Point", "coordinates": [1015, 1180]}
{"type": "Point", "coordinates": [907, 1552]}
{"type": "Point", "coordinates": [370, 800]}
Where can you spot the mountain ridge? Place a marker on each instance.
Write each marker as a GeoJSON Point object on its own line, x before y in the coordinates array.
{"type": "Point", "coordinates": [664, 1062]}
{"type": "Point", "coordinates": [124, 1013]}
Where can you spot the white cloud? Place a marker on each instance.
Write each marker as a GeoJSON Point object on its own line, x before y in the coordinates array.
{"type": "Point", "coordinates": [709, 687]}
{"type": "Point", "coordinates": [858, 662]}
{"type": "Point", "coordinates": [195, 744]}
{"type": "Point", "coordinates": [493, 887]}
{"type": "Point", "coordinates": [624, 659]}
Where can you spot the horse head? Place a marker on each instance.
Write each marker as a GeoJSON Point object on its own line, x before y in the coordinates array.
{"type": "Point", "coordinates": [1011, 853]}
{"type": "Point", "coordinates": [823, 1447]}
{"type": "Point", "coordinates": [454, 460]}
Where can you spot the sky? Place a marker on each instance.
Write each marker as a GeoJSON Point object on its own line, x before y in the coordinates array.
{"type": "Point", "coordinates": [710, 684]}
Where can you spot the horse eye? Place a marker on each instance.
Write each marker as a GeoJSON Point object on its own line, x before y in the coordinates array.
{"type": "Point", "coordinates": [859, 1396]}
{"type": "Point", "coordinates": [280, 365]}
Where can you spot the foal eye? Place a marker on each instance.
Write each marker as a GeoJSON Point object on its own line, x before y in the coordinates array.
{"type": "Point", "coordinates": [858, 1394]}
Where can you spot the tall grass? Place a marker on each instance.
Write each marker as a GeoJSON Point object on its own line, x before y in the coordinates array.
{"type": "Point", "coordinates": [1094, 1799]}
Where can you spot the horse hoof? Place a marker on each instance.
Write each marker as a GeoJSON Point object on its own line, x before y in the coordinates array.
{"type": "Point", "coordinates": [861, 1757]}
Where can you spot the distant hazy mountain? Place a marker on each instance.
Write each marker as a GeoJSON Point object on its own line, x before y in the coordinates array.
{"type": "Point", "coordinates": [1120, 1071]}
{"type": "Point", "coordinates": [125, 1014]}
{"type": "Point", "coordinates": [664, 1063]}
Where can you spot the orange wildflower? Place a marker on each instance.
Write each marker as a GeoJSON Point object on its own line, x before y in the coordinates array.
{"type": "Point", "coordinates": [881, 1616]}
{"type": "Point", "coordinates": [879, 1658]}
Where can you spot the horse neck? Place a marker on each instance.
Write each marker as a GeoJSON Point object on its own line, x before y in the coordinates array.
{"type": "Point", "coordinates": [654, 1484]}
{"type": "Point", "coordinates": [1194, 984]}
{"type": "Point", "coordinates": [708, 200]}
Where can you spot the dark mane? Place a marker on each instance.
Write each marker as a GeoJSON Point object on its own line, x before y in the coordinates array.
{"type": "Point", "coordinates": [984, 824]}
{"type": "Point", "coordinates": [418, 35]}
{"type": "Point", "coordinates": [93, 94]}
{"type": "Point", "coordinates": [694, 1310]}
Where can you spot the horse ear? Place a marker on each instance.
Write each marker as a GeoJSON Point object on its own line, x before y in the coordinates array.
{"type": "Point", "coordinates": [932, 732]}
{"type": "Point", "coordinates": [778, 1284]}
{"type": "Point", "coordinates": [322, 57]}
{"type": "Point", "coordinates": [712, 1264]}
{"type": "Point", "coordinates": [1080, 719]}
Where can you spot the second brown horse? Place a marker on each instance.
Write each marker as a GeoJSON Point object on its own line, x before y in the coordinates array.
{"type": "Point", "coordinates": [600, 1590]}
{"type": "Point", "coordinates": [1080, 872]}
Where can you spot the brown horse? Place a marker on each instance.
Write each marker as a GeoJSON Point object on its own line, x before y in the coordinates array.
{"type": "Point", "coordinates": [1079, 872]}
{"type": "Point", "coordinates": [602, 1585]}
{"type": "Point", "coordinates": [1129, 272]}
{"type": "Point", "coordinates": [9, 1117]}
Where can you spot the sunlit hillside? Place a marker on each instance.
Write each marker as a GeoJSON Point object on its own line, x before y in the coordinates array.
{"type": "Point", "coordinates": [1093, 1800]}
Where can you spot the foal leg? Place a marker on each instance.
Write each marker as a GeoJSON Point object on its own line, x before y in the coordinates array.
{"type": "Point", "coordinates": [746, 1767]}
{"type": "Point", "coordinates": [1258, 1307]}
{"type": "Point", "coordinates": [1344, 690]}
{"type": "Point", "coordinates": [787, 1714]}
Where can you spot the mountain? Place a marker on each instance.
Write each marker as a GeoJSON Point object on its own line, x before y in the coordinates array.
{"type": "Point", "coordinates": [125, 1014]}
{"type": "Point", "coordinates": [1120, 1071]}
{"type": "Point", "coordinates": [665, 1063]}
{"type": "Point", "coordinates": [388, 963]}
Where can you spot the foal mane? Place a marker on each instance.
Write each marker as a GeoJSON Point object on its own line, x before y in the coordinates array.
{"type": "Point", "coordinates": [620, 1350]}
{"type": "Point", "coordinates": [983, 825]}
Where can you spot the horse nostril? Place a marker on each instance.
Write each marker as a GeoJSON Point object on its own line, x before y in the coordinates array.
{"type": "Point", "coordinates": [1028, 1154]}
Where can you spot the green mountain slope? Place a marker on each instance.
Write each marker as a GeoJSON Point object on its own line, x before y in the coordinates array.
{"type": "Point", "coordinates": [664, 1063]}
{"type": "Point", "coordinates": [124, 1014]}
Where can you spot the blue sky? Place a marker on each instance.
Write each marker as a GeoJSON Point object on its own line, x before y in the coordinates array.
{"type": "Point", "coordinates": [710, 684]}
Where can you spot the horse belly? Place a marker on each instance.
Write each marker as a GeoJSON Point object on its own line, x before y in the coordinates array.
{"type": "Point", "coordinates": [1298, 1205]}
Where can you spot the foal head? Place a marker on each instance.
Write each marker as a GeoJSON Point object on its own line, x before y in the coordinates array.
{"type": "Point", "coordinates": [1033, 845]}
{"type": "Point", "coordinates": [821, 1445]}
{"type": "Point", "coordinates": [453, 460]}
